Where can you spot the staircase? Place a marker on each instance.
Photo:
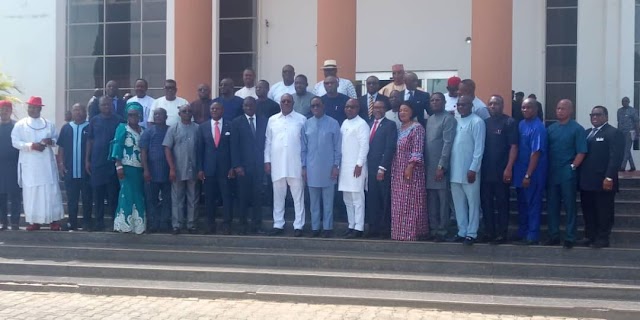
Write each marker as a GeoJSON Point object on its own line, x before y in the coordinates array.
{"type": "Point", "coordinates": [580, 282]}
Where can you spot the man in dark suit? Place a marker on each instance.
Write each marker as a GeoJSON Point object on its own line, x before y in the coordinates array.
{"type": "Point", "coordinates": [247, 160]}
{"type": "Point", "coordinates": [111, 91]}
{"type": "Point", "coordinates": [419, 99]}
{"type": "Point", "coordinates": [214, 166]}
{"type": "Point", "coordinates": [599, 178]}
{"type": "Point", "coordinates": [382, 148]}
{"type": "Point", "coordinates": [367, 100]}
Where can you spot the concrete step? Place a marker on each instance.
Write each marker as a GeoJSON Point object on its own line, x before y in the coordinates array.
{"type": "Point", "coordinates": [626, 238]}
{"type": "Point", "coordinates": [622, 256]}
{"type": "Point", "coordinates": [485, 303]}
{"type": "Point", "coordinates": [330, 257]}
{"type": "Point", "coordinates": [496, 266]}
{"type": "Point", "coordinates": [284, 276]}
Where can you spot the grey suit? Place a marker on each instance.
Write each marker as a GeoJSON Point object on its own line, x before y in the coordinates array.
{"type": "Point", "coordinates": [440, 132]}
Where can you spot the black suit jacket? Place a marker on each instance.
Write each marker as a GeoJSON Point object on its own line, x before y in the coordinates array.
{"type": "Point", "coordinates": [364, 105]}
{"type": "Point", "coordinates": [94, 108]}
{"type": "Point", "coordinates": [211, 159]}
{"type": "Point", "coordinates": [247, 150]}
{"type": "Point", "coordinates": [382, 147]}
{"type": "Point", "coordinates": [420, 103]}
{"type": "Point", "coordinates": [605, 152]}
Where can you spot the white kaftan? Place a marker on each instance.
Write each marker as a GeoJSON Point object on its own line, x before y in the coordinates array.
{"type": "Point", "coordinates": [37, 171]}
{"type": "Point", "coordinates": [355, 147]}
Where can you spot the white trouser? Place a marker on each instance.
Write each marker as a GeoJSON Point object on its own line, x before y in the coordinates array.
{"type": "Point", "coordinates": [279, 195]}
{"type": "Point", "coordinates": [466, 199]}
{"type": "Point", "coordinates": [354, 201]}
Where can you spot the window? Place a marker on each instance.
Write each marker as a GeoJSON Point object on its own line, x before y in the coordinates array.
{"type": "Point", "coordinates": [118, 40]}
{"type": "Point", "coordinates": [561, 54]}
{"type": "Point", "coordinates": [237, 42]}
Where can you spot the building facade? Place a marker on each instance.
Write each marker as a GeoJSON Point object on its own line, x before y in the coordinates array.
{"type": "Point", "coordinates": [586, 50]}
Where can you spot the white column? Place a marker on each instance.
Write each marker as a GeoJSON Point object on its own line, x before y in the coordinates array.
{"type": "Point", "coordinates": [171, 40]}
{"type": "Point", "coordinates": [215, 36]}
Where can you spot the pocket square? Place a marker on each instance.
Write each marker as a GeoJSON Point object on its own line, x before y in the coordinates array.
{"type": "Point", "coordinates": [227, 133]}
{"type": "Point", "coordinates": [599, 139]}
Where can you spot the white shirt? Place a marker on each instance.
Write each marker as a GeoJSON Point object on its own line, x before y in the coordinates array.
{"type": "Point", "coordinates": [283, 145]}
{"type": "Point", "coordinates": [247, 92]}
{"type": "Point", "coordinates": [279, 89]}
{"type": "Point", "coordinates": [213, 128]}
{"type": "Point", "coordinates": [355, 147]}
{"type": "Point", "coordinates": [345, 87]}
{"type": "Point", "coordinates": [147, 103]}
{"type": "Point", "coordinates": [172, 108]}
{"type": "Point", "coordinates": [393, 116]}
{"type": "Point", "coordinates": [479, 108]}
{"type": "Point", "coordinates": [450, 104]}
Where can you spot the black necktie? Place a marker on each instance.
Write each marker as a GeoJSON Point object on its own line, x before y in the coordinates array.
{"type": "Point", "coordinates": [253, 126]}
{"type": "Point", "coordinates": [592, 133]}
{"type": "Point", "coordinates": [410, 94]}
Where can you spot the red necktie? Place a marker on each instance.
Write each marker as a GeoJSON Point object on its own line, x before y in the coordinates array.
{"type": "Point", "coordinates": [217, 130]}
{"type": "Point", "coordinates": [373, 131]}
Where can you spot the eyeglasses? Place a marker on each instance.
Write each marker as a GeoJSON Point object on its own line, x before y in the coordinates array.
{"type": "Point", "coordinates": [596, 115]}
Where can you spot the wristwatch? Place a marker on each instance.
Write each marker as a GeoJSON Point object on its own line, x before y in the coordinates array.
{"type": "Point", "coordinates": [573, 167]}
{"type": "Point", "coordinates": [608, 179]}
{"type": "Point", "coordinates": [526, 176]}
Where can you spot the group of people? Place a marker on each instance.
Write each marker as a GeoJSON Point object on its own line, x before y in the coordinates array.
{"type": "Point", "coordinates": [402, 159]}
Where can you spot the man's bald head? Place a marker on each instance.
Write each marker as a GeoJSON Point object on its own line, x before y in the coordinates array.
{"type": "Point", "coordinates": [564, 110]}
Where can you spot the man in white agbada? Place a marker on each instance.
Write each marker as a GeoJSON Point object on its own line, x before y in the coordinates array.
{"type": "Point", "coordinates": [353, 167]}
{"type": "Point", "coordinates": [34, 137]}
{"type": "Point", "coordinates": [282, 160]}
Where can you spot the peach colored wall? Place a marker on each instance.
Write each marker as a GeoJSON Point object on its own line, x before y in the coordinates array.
{"type": "Point", "coordinates": [491, 56]}
{"type": "Point", "coordinates": [337, 35]}
{"type": "Point", "coordinates": [193, 30]}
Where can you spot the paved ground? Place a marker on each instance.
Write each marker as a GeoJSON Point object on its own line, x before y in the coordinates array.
{"type": "Point", "coordinates": [32, 305]}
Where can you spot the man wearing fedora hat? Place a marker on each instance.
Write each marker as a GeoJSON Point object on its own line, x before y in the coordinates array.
{"type": "Point", "coordinates": [34, 137]}
{"type": "Point", "coordinates": [345, 86]}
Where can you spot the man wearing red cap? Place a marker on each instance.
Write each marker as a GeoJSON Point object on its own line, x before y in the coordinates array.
{"type": "Point", "coordinates": [452, 97]}
{"type": "Point", "coordinates": [397, 71]}
{"type": "Point", "coordinates": [34, 137]}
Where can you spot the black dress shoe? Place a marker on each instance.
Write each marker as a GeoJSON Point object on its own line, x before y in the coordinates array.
{"type": "Point", "coordinates": [226, 230]}
{"type": "Point", "coordinates": [192, 230]}
{"type": "Point", "coordinates": [347, 233]}
{"type": "Point", "coordinates": [175, 231]}
{"type": "Point", "coordinates": [4, 227]}
{"type": "Point", "coordinates": [632, 169]}
{"type": "Point", "coordinates": [15, 227]}
{"type": "Point", "coordinates": [551, 242]}
{"type": "Point", "coordinates": [468, 241]}
{"type": "Point", "coordinates": [242, 231]}
{"type": "Point", "coordinates": [568, 244]}
{"type": "Point", "coordinates": [257, 231]}
{"type": "Point", "coordinates": [499, 240]}
{"type": "Point", "coordinates": [455, 238]}
{"type": "Point", "coordinates": [327, 234]}
{"type": "Point", "coordinates": [276, 232]}
{"type": "Point", "coordinates": [315, 233]}
{"type": "Point", "coordinates": [526, 243]}
{"type": "Point", "coordinates": [584, 242]}
{"type": "Point", "coordinates": [354, 234]}
{"type": "Point", "coordinates": [297, 233]}
{"type": "Point", "coordinates": [439, 239]}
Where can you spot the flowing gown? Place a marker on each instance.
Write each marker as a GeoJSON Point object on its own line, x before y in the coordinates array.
{"type": "Point", "coordinates": [130, 214]}
{"type": "Point", "coordinates": [409, 197]}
